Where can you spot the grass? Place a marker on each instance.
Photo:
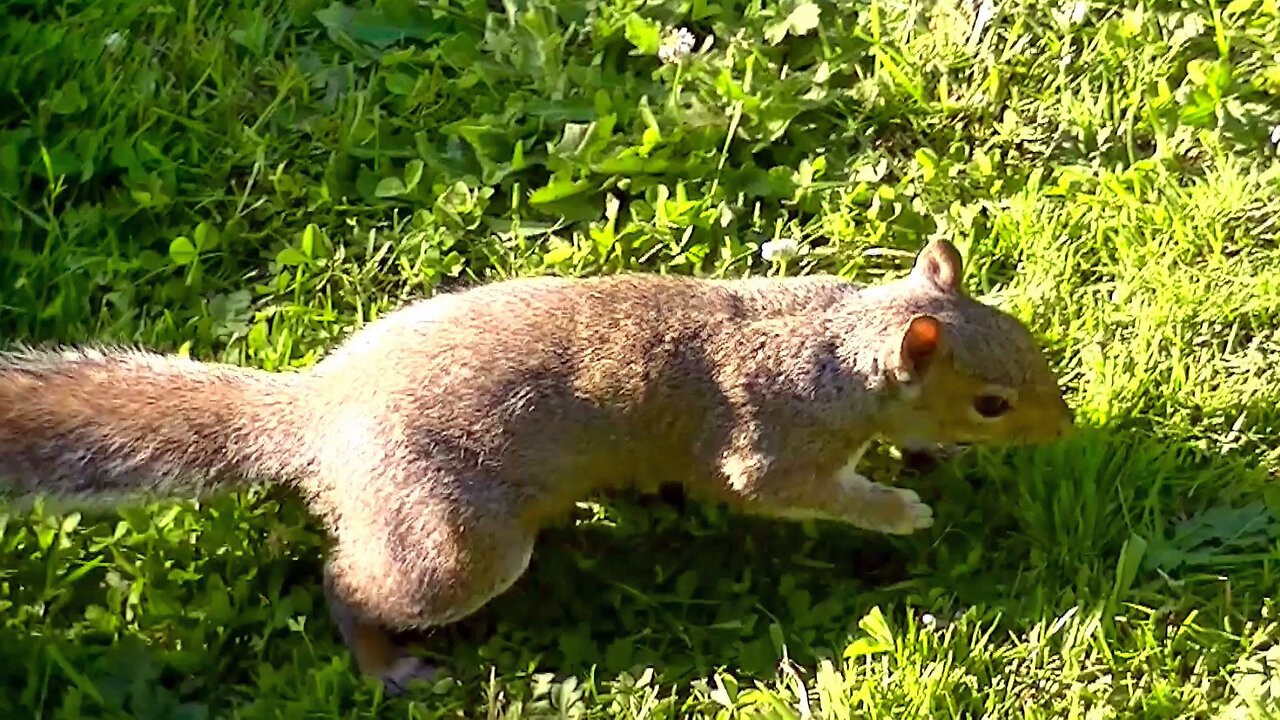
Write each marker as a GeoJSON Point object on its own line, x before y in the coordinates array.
{"type": "Point", "coordinates": [248, 182]}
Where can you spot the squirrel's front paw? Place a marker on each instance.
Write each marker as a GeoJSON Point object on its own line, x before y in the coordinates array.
{"type": "Point", "coordinates": [897, 511]}
{"type": "Point", "coordinates": [913, 513]}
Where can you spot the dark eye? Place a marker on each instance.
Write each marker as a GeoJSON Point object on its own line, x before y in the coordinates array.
{"type": "Point", "coordinates": [990, 406]}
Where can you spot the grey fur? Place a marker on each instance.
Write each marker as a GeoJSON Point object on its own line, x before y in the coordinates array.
{"type": "Point", "coordinates": [438, 440]}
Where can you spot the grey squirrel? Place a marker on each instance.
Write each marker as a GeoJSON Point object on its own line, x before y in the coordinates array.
{"type": "Point", "coordinates": [438, 440]}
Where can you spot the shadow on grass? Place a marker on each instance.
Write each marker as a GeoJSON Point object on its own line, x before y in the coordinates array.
{"type": "Point", "coordinates": [685, 592]}
{"type": "Point", "coordinates": [1024, 534]}
{"type": "Point", "coordinates": [687, 588]}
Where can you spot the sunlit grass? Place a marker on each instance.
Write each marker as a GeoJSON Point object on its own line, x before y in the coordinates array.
{"type": "Point", "coordinates": [249, 182]}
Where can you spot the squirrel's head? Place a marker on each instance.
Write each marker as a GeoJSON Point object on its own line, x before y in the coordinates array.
{"type": "Point", "coordinates": [965, 372]}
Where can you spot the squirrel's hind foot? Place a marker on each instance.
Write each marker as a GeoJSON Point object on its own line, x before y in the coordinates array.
{"type": "Point", "coordinates": [406, 670]}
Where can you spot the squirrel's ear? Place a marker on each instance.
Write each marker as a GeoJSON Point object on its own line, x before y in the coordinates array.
{"type": "Point", "coordinates": [940, 265]}
{"type": "Point", "coordinates": [921, 344]}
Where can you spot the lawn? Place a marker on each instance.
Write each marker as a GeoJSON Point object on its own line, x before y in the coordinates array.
{"type": "Point", "coordinates": [249, 181]}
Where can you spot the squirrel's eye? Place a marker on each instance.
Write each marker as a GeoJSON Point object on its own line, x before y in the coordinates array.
{"type": "Point", "coordinates": [990, 406]}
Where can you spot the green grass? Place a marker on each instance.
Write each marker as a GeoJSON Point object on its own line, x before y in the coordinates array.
{"type": "Point", "coordinates": [249, 181]}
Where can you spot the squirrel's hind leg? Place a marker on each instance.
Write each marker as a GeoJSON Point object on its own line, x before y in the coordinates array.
{"type": "Point", "coordinates": [414, 558]}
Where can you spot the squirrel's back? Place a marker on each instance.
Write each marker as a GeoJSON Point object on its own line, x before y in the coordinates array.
{"type": "Point", "coordinates": [573, 377]}
{"type": "Point", "coordinates": [94, 423]}
{"type": "Point", "coordinates": [567, 381]}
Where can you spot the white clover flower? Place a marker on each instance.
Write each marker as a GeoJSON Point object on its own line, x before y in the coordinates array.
{"type": "Point", "coordinates": [780, 250]}
{"type": "Point", "coordinates": [114, 40]}
{"type": "Point", "coordinates": [928, 620]}
{"type": "Point", "coordinates": [677, 46]}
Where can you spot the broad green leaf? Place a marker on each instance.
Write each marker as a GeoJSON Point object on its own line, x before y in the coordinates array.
{"type": "Point", "coordinates": [182, 251]}
{"type": "Point", "coordinates": [207, 237]}
{"type": "Point", "coordinates": [399, 83]}
{"type": "Point", "coordinates": [802, 20]}
{"type": "Point", "coordinates": [413, 174]}
{"type": "Point", "coordinates": [1127, 566]}
{"type": "Point", "coordinates": [308, 244]}
{"type": "Point", "coordinates": [390, 187]}
{"type": "Point", "coordinates": [257, 338]}
{"type": "Point", "coordinates": [559, 253]}
{"type": "Point", "coordinates": [865, 646]}
{"type": "Point", "coordinates": [68, 99]}
{"type": "Point", "coordinates": [644, 34]}
{"type": "Point", "coordinates": [292, 256]}
{"type": "Point", "coordinates": [875, 625]}
{"type": "Point", "coordinates": [373, 26]}
{"type": "Point", "coordinates": [558, 189]}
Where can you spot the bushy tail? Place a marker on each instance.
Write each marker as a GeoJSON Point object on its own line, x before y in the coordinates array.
{"type": "Point", "coordinates": [85, 424]}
